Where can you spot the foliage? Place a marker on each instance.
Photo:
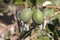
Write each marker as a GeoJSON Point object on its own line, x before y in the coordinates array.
{"type": "Point", "coordinates": [32, 16]}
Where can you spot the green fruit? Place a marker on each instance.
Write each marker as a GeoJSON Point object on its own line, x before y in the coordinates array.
{"type": "Point", "coordinates": [26, 14]}
{"type": "Point", "coordinates": [38, 17]}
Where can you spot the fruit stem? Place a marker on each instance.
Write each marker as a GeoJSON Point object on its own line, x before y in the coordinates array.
{"type": "Point", "coordinates": [25, 4]}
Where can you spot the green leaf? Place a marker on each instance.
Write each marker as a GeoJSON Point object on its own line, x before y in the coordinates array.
{"type": "Point", "coordinates": [49, 12]}
{"type": "Point", "coordinates": [52, 1]}
{"type": "Point", "coordinates": [19, 2]}
{"type": "Point", "coordinates": [44, 38]}
{"type": "Point", "coordinates": [55, 35]}
{"type": "Point", "coordinates": [47, 29]}
{"type": "Point", "coordinates": [58, 16]}
{"type": "Point", "coordinates": [28, 3]}
{"type": "Point", "coordinates": [40, 2]}
{"type": "Point", "coordinates": [57, 3]}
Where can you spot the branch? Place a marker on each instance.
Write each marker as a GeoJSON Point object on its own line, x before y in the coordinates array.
{"type": "Point", "coordinates": [3, 26]}
{"type": "Point", "coordinates": [53, 7]}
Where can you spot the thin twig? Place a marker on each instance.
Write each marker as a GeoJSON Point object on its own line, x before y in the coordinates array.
{"type": "Point", "coordinates": [53, 7]}
{"type": "Point", "coordinates": [25, 4]}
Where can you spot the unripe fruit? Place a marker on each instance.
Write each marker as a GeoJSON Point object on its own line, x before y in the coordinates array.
{"type": "Point", "coordinates": [26, 14]}
{"type": "Point", "coordinates": [38, 17]}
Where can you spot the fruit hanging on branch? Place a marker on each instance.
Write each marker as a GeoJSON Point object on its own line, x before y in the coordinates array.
{"type": "Point", "coordinates": [26, 14]}
{"type": "Point", "coordinates": [38, 17]}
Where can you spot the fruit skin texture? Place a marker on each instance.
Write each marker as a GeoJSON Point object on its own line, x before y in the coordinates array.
{"type": "Point", "coordinates": [26, 14]}
{"type": "Point", "coordinates": [38, 17]}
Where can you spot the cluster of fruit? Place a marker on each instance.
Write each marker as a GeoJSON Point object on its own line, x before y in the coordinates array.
{"type": "Point", "coordinates": [36, 16]}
